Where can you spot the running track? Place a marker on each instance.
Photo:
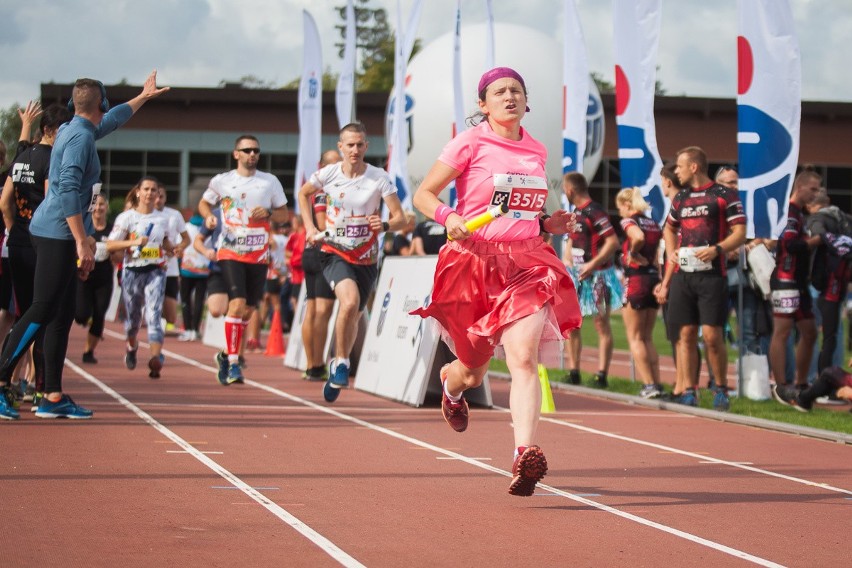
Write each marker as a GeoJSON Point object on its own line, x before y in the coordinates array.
{"type": "Point", "coordinates": [185, 472]}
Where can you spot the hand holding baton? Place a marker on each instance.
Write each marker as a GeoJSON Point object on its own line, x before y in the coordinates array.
{"type": "Point", "coordinates": [483, 219]}
{"type": "Point", "coordinates": [138, 251]}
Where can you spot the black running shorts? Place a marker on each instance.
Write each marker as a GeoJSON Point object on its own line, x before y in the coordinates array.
{"type": "Point", "coordinates": [335, 270]}
{"type": "Point", "coordinates": [315, 284]}
{"type": "Point", "coordinates": [697, 298]}
{"type": "Point", "coordinates": [244, 280]}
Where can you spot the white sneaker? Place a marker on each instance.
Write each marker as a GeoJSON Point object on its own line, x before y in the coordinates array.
{"type": "Point", "coordinates": [830, 401]}
{"type": "Point", "coordinates": [188, 335]}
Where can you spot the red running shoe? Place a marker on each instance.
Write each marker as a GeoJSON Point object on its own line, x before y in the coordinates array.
{"type": "Point", "coordinates": [455, 413]}
{"type": "Point", "coordinates": [528, 469]}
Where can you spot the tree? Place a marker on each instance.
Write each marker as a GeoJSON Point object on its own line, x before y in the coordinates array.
{"type": "Point", "coordinates": [10, 129]}
{"type": "Point", "coordinates": [249, 82]}
{"type": "Point", "coordinates": [329, 81]}
{"type": "Point", "coordinates": [603, 85]}
{"type": "Point", "coordinates": [371, 31]}
{"type": "Point", "coordinates": [375, 40]}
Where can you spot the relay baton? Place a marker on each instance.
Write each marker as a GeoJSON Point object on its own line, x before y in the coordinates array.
{"type": "Point", "coordinates": [481, 220]}
{"type": "Point", "coordinates": [138, 251]}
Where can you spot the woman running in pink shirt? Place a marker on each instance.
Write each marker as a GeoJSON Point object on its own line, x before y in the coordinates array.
{"type": "Point", "coordinates": [502, 285]}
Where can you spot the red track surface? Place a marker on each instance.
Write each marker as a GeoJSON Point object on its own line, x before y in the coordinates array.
{"type": "Point", "coordinates": [185, 472]}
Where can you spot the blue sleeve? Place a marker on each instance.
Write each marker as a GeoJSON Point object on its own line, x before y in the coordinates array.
{"type": "Point", "coordinates": [74, 160]}
{"type": "Point", "coordinates": [113, 120]}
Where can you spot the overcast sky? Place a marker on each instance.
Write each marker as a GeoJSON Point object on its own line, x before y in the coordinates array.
{"type": "Point", "coordinates": [198, 43]}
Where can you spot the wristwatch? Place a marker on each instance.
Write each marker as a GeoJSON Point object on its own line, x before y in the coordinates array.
{"type": "Point", "coordinates": [719, 250]}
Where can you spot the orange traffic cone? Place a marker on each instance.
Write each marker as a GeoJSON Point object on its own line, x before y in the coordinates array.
{"type": "Point", "coordinates": [275, 341]}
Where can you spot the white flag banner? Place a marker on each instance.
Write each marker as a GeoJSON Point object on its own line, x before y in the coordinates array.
{"type": "Point", "coordinates": [411, 28]}
{"type": "Point", "coordinates": [458, 94]}
{"type": "Point", "coordinates": [310, 105]}
{"type": "Point", "coordinates": [400, 119]}
{"type": "Point", "coordinates": [344, 95]}
{"type": "Point", "coordinates": [769, 109]}
{"type": "Point", "coordinates": [575, 91]}
{"type": "Point", "coordinates": [637, 37]}
{"type": "Point", "coordinates": [489, 36]}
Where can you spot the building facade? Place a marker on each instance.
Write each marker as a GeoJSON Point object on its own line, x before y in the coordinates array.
{"type": "Point", "coordinates": [186, 137]}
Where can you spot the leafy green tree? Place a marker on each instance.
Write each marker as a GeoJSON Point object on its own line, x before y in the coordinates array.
{"type": "Point", "coordinates": [329, 81]}
{"type": "Point", "coordinates": [249, 82]}
{"type": "Point", "coordinates": [10, 129]}
{"type": "Point", "coordinates": [374, 39]}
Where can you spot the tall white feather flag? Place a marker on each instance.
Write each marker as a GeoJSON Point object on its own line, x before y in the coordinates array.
{"type": "Point", "coordinates": [637, 36]}
{"type": "Point", "coordinates": [399, 135]}
{"type": "Point", "coordinates": [575, 91]}
{"type": "Point", "coordinates": [344, 95]}
{"type": "Point", "coordinates": [411, 28]}
{"type": "Point", "coordinates": [769, 111]}
{"type": "Point", "coordinates": [489, 36]}
{"type": "Point", "coordinates": [458, 94]}
{"type": "Point", "coordinates": [310, 105]}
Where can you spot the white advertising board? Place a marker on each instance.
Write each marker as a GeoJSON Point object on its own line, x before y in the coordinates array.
{"type": "Point", "coordinates": [400, 359]}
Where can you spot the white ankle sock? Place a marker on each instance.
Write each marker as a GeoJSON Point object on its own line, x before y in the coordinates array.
{"type": "Point", "coordinates": [453, 398]}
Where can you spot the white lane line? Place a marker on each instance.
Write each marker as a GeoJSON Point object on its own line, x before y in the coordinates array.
{"type": "Point", "coordinates": [322, 542]}
{"type": "Point", "coordinates": [185, 452]}
{"type": "Point", "coordinates": [606, 508]}
{"type": "Point", "coordinates": [702, 457]}
{"type": "Point", "coordinates": [472, 461]}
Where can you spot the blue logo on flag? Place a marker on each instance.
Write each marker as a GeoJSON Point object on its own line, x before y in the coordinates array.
{"type": "Point", "coordinates": [594, 135]}
{"type": "Point", "coordinates": [313, 87]}
{"type": "Point", "coordinates": [766, 156]}
{"type": "Point", "coordinates": [638, 165]}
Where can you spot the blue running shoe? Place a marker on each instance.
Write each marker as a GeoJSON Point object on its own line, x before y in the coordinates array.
{"type": "Point", "coordinates": [235, 374]}
{"type": "Point", "coordinates": [65, 407]}
{"type": "Point", "coordinates": [330, 393]}
{"type": "Point", "coordinates": [688, 398]}
{"type": "Point", "coordinates": [7, 412]}
{"type": "Point", "coordinates": [222, 365]}
{"type": "Point", "coordinates": [721, 402]}
{"type": "Point", "coordinates": [339, 379]}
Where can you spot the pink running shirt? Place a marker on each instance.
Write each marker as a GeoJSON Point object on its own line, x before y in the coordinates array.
{"type": "Point", "coordinates": [480, 154]}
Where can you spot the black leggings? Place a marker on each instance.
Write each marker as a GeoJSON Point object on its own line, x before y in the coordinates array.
{"type": "Point", "coordinates": [51, 313]}
{"type": "Point", "coordinates": [93, 296]}
{"type": "Point", "coordinates": [830, 312]}
{"type": "Point", "coordinates": [22, 261]}
{"type": "Point", "coordinates": [193, 292]}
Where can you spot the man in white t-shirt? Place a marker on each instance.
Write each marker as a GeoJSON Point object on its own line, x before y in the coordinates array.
{"type": "Point", "coordinates": [355, 191]}
{"type": "Point", "coordinates": [250, 200]}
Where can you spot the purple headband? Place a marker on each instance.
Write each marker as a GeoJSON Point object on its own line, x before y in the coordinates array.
{"type": "Point", "coordinates": [500, 73]}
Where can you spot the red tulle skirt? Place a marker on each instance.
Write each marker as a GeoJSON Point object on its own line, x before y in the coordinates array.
{"type": "Point", "coordinates": [481, 287]}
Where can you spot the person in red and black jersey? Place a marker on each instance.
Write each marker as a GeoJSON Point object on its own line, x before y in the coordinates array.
{"type": "Point", "coordinates": [589, 252]}
{"type": "Point", "coordinates": [639, 257]}
{"type": "Point", "coordinates": [831, 381]}
{"type": "Point", "coordinates": [319, 297]}
{"type": "Point", "coordinates": [830, 272]}
{"type": "Point", "coordinates": [791, 299]}
{"type": "Point", "coordinates": [705, 222]}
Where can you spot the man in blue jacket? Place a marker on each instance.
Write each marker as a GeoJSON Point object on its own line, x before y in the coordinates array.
{"type": "Point", "coordinates": [60, 230]}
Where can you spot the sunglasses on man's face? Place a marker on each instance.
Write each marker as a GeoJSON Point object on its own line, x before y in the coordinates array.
{"type": "Point", "coordinates": [249, 150]}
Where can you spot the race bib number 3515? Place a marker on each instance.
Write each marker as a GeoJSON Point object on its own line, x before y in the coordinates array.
{"type": "Point", "coordinates": [524, 195]}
